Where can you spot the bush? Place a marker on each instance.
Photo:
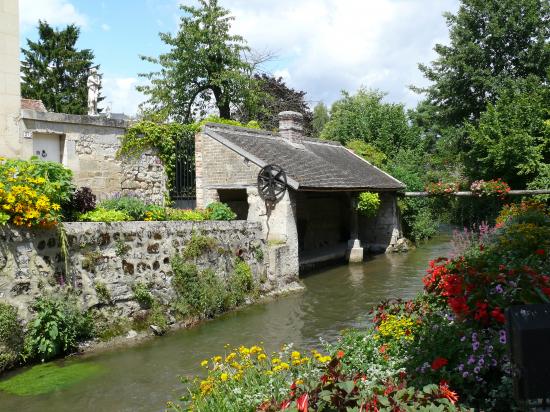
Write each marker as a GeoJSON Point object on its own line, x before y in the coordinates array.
{"type": "Point", "coordinates": [82, 201]}
{"type": "Point", "coordinates": [11, 336]}
{"type": "Point", "coordinates": [32, 192]}
{"type": "Point", "coordinates": [132, 206]}
{"type": "Point", "coordinates": [240, 283]}
{"type": "Point", "coordinates": [143, 295]}
{"type": "Point", "coordinates": [57, 328]}
{"type": "Point", "coordinates": [102, 215]}
{"type": "Point", "coordinates": [197, 245]}
{"type": "Point", "coordinates": [185, 214]}
{"type": "Point", "coordinates": [202, 294]}
{"type": "Point", "coordinates": [368, 204]}
{"type": "Point", "coordinates": [154, 212]}
{"type": "Point", "coordinates": [220, 211]}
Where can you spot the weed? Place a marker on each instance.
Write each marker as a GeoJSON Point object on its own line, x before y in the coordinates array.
{"type": "Point", "coordinates": [142, 295]}
{"type": "Point", "coordinates": [103, 293]}
{"type": "Point", "coordinates": [121, 248]}
{"type": "Point", "coordinates": [197, 245]}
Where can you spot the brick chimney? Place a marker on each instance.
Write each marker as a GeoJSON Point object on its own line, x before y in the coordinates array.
{"type": "Point", "coordinates": [291, 126]}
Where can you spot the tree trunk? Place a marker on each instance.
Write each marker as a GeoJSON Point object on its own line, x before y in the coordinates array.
{"type": "Point", "coordinates": [221, 102]}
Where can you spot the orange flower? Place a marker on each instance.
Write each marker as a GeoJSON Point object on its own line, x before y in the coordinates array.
{"type": "Point", "coordinates": [340, 354]}
{"type": "Point", "coordinates": [446, 392]}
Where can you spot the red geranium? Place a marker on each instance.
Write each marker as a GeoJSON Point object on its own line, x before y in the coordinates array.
{"type": "Point", "coordinates": [438, 363]}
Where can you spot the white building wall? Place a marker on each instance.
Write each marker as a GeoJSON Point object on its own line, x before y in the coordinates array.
{"type": "Point", "coordinates": [10, 87]}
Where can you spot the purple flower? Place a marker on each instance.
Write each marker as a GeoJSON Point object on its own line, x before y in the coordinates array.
{"type": "Point", "coordinates": [489, 348]}
{"type": "Point", "coordinates": [476, 369]}
{"type": "Point", "coordinates": [481, 361]}
{"type": "Point", "coordinates": [461, 367]}
{"type": "Point", "coordinates": [471, 359]}
{"type": "Point", "coordinates": [503, 339]}
{"type": "Point", "coordinates": [462, 339]}
{"type": "Point", "coordinates": [475, 346]}
{"type": "Point", "coordinates": [465, 374]}
{"type": "Point", "coordinates": [494, 362]}
{"type": "Point", "coordinates": [474, 337]}
{"type": "Point", "coordinates": [498, 289]}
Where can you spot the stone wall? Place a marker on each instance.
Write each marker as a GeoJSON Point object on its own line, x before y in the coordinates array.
{"type": "Point", "coordinates": [10, 84]}
{"type": "Point", "coordinates": [383, 230]}
{"type": "Point", "coordinates": [119, 255]}
{"type": "Point", "coordinates": [89, 146]}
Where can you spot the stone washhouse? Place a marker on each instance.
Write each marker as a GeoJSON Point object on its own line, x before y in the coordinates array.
{"type": "Point", "coordinates": [316, 218]}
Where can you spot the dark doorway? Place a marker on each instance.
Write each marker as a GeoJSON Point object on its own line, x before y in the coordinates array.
{"type": "Point", "coordinates": [237, 200]}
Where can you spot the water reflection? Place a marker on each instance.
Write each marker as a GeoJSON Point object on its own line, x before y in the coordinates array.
{"type": "Point", "coordinates": [144, 377]}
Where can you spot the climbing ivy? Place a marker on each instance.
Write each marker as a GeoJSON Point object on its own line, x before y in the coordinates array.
{"type": "Point", "coordinates": [164, 138]}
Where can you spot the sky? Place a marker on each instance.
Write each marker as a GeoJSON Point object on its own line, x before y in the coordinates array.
{"type": "Point", "coordinates": [320, 46]}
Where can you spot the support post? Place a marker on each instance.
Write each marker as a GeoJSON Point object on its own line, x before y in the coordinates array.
{"type": "Point", "coordinates": [355, 251]}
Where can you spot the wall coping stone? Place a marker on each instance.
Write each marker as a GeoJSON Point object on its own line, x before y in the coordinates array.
{"type": "Point", "coordinates": [27, 114]}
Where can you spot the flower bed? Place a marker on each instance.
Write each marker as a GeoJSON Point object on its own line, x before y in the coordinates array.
{"type": "Point", "coordinates": [445, 350]}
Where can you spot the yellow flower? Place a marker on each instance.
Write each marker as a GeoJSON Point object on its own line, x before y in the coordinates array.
{"type": "Point", "coordinates": [204, 363]}
{"type": "Point", "coordinates": [295, 355]}
{"type": "Point", "coordinates": [56, 207]}
{"type": "Point", "coordinates": [224, 377]}
{"type": "Point", "coordinates": [275, 361]}
{"type": "Point", "coordinates": [284, 365]}
{"type": "Point", "coordinates": [230, 357]}
{"type": "Point", "coordinates": [217, 359]}
{"type": "Point", "coordinates": [255, 349]}
{"type": "Point", "coordinates": [262, 356]}
{"type": "Point", "coordinates": [299, 382]}
{"type": "Point", "coordinates": [244, 351]}
{"type": "Point", "coordinates": [296, 362]}
{"type": "Point", "coordinates": [269, 373]}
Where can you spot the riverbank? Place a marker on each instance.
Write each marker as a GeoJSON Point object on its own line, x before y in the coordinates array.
{"type": "Point", "coordinates": [142, 377]}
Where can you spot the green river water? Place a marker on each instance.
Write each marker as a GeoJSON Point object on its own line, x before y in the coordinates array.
{"type": "Point", "coordinates": [144, 377]}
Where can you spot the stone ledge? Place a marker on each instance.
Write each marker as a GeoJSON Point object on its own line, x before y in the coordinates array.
{"type": "Point", "coordinates": [27, 114]}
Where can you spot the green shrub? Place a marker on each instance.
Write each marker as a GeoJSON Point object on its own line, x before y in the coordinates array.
{"type": "Point", "coordinates": [154, 212]}
{"type": "Point", "coordinates": [11, 336]}
{"type": "Point", "coordinates": [109, 326]}
{"type": "Point", "coordinates": [142, 295]}
{"type": "Point", "coordinates": [368, 204]}
{"type": "Point", "coordinates": [220, 211]}
{"type": "Point", "coordinates": [240, 284]}
{"type": "Point", "coordinates": [57, 328]}
{"type": "Point", "coordinates": [197, 245]}
{"type": "Point", "coordinates": [185, 214]}
{"type": "Point", "coordinates": [201, 293]}
{"type": "Point", "coordinates": [132, 206]}
{"type": "Point", "coordinates": [103, 215]}
{"type": "Point", "coordinates": [103, 294]}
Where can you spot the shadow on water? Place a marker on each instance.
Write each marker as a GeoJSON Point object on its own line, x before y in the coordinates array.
{"type": "Point", "coordinates": [142, 378]}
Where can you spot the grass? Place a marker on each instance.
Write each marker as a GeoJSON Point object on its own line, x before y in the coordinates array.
{"type": "Point", "coordinates": [47, 378]}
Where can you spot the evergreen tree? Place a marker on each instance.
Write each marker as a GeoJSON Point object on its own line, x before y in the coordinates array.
{"type": "Point", "coordinates": [320, 118]}
{"type": "Point", "coordinates": [55, 72]}
{"type": "Point", "coordinates": [203, 60]}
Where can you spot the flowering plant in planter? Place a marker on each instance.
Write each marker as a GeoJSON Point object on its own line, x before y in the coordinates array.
{"type": "Point", "coordinates": [490, 188]}
{"type": "Point", "coordinates": [442, 188]}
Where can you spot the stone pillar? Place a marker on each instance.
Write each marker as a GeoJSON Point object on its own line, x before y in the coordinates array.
{"type": "Point", "coordinates": [10, 87]}
{"type": "Point", "coordinates": [355, 251]}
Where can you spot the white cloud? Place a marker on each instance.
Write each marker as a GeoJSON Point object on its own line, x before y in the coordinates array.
{"type": "Point", "coordinates": [55, 12]}
{"type": "Point", "coordinates": [105, 27]}
{"type": "Point", "coordinates": [326, 46]}
{"type": "Point", "coordinates": [121, 94]}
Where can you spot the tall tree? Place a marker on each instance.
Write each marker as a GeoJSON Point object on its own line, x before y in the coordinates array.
{"type": "Point", "coordinates": [320, 118]}
{"type": "Point", "coordinates": [366, 117]}
{"type": "Point", "coordinates": [55, 72]}
{"type": "Point", "coordinates": [491, 43]}
{"type": "Point", "coordinates": [204, 61]}
{"type": "Point", "coordinates": [270, 96]}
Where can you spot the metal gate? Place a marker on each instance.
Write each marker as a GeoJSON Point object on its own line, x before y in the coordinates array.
{"type": "Point", "coordinates": [183, 192]}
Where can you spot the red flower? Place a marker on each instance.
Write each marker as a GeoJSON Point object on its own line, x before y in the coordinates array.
{"type": "Point", "coordinates": [540, 252]}
{"type": "Point", "coordinates": [340, 354]}
{"type": "Point", "coordinates": [284, 404]}
{"type": "Point", "coordinates": [382, 349]}
{"type": "Point", "coordinates": [303, 402]}
{"type": "Point", "coordinates": [497, 314]}
{"type": "Point", "coordinates": [446, 392]}
{"type": "Point", "coordinates": [438, 363]}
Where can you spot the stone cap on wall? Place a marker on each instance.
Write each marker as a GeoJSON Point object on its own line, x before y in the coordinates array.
{"type": "Point", "coordinates": [27, 114]}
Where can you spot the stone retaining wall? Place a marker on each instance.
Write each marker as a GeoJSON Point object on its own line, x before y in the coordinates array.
{"type": "Point", "coordinates": [119, 255]}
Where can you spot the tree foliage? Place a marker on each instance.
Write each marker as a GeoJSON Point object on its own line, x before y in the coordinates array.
{"type": "Point", "coordinates": [491, 43]}
{"type": "Point", "coordinates": [366, 117]}
{"type": "Point", "coordinates": [320, 118]}
{"type": "Point", "coordinates": [512, 138]}
{"type": "Point", "coordinates": [55, 71]}
{"type": "Point", "coordinates": [270, 96]}
{"type": "Point", "coordinates": [204, 60]}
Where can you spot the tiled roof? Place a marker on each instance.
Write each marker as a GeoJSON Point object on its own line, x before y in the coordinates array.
{"type": "Point", "coordinates": [31, 104]}
{"type": "Point", "coordinates": [314, 165]}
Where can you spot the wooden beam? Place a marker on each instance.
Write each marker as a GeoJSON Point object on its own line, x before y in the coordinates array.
{"type": "Point", "coordinates": [510, 193]}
